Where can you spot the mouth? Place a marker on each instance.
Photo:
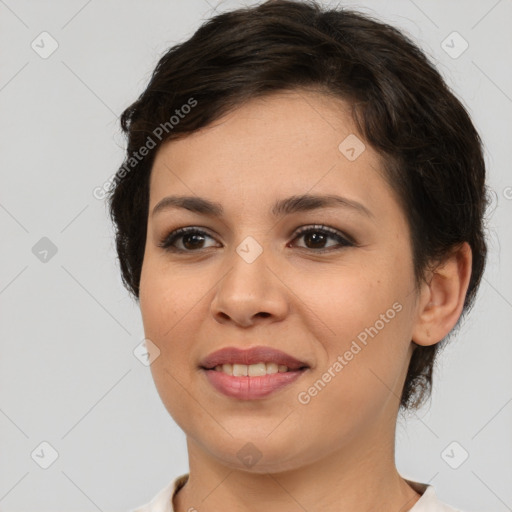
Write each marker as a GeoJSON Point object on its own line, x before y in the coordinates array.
{"type": "Point", "coordinates": [252, 362]}
{"type": "Point", "coordinates": [249, 387]}
{"type": "Point", "coordinates": [253, 370]}
{"type": "Point", "coordinates": [251, 374]}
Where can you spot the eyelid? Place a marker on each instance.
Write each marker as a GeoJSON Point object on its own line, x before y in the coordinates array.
{"type": "Point", "coordinates": [178, 232]}
{"type": "Point", "coordinates": [343, 240]}
{"type": "Point", "coordinates": [322, 227]}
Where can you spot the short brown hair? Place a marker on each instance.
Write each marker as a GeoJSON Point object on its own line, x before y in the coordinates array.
{"type": "Point", "coordinates": [400, 103]}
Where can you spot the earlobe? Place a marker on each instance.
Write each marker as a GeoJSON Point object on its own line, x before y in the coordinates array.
{"type": "Point", "coordinates": [442, 297]}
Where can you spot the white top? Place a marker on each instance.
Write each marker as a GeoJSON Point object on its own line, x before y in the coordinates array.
{"type": "Point", "coordinates": [162, 502]}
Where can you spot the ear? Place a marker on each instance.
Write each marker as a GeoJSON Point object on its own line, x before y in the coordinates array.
{"type": "Point", "coordinates": [441, 298]}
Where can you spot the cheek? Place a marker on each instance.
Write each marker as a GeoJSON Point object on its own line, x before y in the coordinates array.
{"type": "Point", "coordinates": [161, 312]}
{"type": "Point", "coordinates": [167, 296]}
{"type": "Point", "coordinates": [363, 320]}
{"type": "Point", "coordinates": [362, 372]}
{"type": "Point", "coordinates": [172, 304]}
{"type": "Point", "coordinates": [346, 299]}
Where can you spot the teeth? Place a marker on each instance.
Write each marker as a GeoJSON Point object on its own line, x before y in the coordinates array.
{"type": "Point", "coordinates": [240, 370]}
{"type": "Point", "coordinates": [252, 370]}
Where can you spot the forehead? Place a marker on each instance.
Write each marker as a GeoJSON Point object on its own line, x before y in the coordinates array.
{"type": "Point", "coordinates": [304, 120]}
{"type": "Point", "coordinates": [286, 143]}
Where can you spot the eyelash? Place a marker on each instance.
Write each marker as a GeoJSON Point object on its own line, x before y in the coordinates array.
{"type": "Point", "coordinates": [343, 241]}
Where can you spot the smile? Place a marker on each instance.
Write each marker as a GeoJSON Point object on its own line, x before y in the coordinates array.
{"type": "Point", "coordinates": [248, 387]}
{"type": "Point", "coordinates": [252, 370]}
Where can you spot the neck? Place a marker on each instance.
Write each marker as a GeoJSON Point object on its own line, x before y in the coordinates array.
{"type": "Point", "coordinates": [359, 476]}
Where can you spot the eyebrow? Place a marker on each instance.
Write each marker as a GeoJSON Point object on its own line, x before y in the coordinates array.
{"type": "Point", "coordinates": [292, 204]}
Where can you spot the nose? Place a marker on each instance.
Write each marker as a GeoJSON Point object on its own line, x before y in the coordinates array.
{"type": "Point", "coordinates": [249, 293]}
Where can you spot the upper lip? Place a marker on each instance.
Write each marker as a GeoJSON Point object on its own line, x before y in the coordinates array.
{"type": "Point", "coordinates": [234, 355]}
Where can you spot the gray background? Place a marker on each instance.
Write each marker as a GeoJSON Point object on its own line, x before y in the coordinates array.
{"type": "Point", "coordinates": [68, 375]}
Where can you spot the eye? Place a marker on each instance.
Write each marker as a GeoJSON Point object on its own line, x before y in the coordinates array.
{"type": "Point", "coordinates": [317, 235]}
{"type": "Point", "coordinates": [192, 239]}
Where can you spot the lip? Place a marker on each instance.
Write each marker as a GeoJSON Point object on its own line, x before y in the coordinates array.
{"type": "Point", "coordinates": [250, 388]}
{"type": "Point", "coordinates": [254, 355]}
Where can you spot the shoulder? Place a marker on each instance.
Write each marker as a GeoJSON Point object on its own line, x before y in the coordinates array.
{"type": "Point", "coordinates": [162, 502]}
{"type": "Point", "coordinates": [429, 502]}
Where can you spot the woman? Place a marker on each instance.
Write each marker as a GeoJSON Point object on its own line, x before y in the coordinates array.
{"type": "Point", "coordinates": [299, 215]}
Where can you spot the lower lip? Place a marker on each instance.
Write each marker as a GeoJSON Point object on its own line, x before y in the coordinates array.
{"type": "Point", "coordinates": [251, 388]}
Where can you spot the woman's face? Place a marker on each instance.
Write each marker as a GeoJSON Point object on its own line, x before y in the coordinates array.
{"type": "Point", "coordinates": [339, 297]}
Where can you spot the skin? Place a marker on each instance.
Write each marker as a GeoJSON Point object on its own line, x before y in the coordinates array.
{"type": "Point", "coordinates": [337, 451]}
